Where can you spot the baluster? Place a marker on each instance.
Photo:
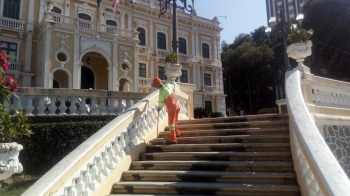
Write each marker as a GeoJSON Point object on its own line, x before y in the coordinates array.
{"type": "Point", "coordinates": [79, 185]}
{"type": "Point", "coordinates": [127, 142]}
{"type": "Point", "coordinates": [18, 103]}
{"type": "Point", "coordinates": [111, 106]}
{"type": "Point", "coordinates": [29, 107]}
{"type": "Point", "coordinates": [122, 145]}
{"type": "Point", "coordinates": [62, 107]}
{"type": "Point", "coordinates": [72, 191]}
{"type": "Point", "coordinates": [100, 165]}
{"type": "Point", "coordinates": [93, 108]}
{"type": "Point", "coordinates": [120, 105]}
{"type": "Point", "coordinates": [111, 154]}
{"type": "Point", "coordinates": [116, 150]}
{"type": "Point", "coordinates": [102, 106]}
{"type": "Point", "coordinates": [72, 108]}
{"type": "Point", "coordinates": [127, 103]}
{"type": "Point", "coordinates": [83, 107]}
{"type": "Point", "coordinates": [52, 107]}
{"type": "Point", "coordinates": [41, 107]}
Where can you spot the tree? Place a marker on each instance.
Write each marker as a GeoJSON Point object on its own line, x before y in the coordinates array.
{"type": "Point", "coordinates": [330, 21]}
{"type": "Point", "coordinates": [247, 62]}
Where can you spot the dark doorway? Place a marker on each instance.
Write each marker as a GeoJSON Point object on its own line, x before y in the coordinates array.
{"type": "Point", "coordinates": [87, 78]}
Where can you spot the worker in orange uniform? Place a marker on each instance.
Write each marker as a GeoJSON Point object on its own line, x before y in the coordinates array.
{"type": "Point", "coordinates": [168, 98]}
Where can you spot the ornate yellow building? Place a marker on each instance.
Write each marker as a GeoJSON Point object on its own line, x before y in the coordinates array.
{"type": "Point", "coordinates": [80, 45]}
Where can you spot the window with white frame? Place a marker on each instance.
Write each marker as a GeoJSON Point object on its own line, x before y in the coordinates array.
{"type": "Point", "coordinates": [142, 36]}
{"type": "Point", "coordinates": [161, 73]}
{"type": "Point", "coordinates": [184, 76]}
{"type": "Point", "coordinates": [205, 50]}
{"type": "Point", "coordinates": [182, 46]}
{"type": "Point", "coordinates": [11, 9]}
{"type": "Point", "coordinates": [142, 70]}
{"type": "Point", "coordinates": [207, 79]}
{"type": "Point", "coordinates": [10, 49]}
{"type": "Point", "coordinates": [161, 41]}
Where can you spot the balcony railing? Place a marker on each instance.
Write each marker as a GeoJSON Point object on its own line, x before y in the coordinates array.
{"type": "Point", "coordinates": [38, 101]}
{"type": "Point", "coordinates": [14, 66]}
{"type": "Point", "coordinates": [185, 57]}
{"type": "Point", "coordinates": [145, 82]}
{"type": "Point", "coordinates": [90, 25]}
{"type": "Point", "coordinates": [145, 50]}
{"type": "Point", "coordinates": [206, 61]}
{"type": "Point", "coordinates": [210, 89]}
{"type": "Point", "coordinates": [11, 23]}
{"type": "Point", "coordinates": [162, 53]}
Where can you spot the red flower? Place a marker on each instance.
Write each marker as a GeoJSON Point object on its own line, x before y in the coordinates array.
{"type": "Point", "coordinates": [10, 83]}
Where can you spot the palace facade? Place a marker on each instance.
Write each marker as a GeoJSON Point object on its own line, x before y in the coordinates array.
{"type": "Point", "coordinates": [80, 45]}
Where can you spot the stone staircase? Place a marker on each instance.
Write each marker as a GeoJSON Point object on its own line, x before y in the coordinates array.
{"type": "Point", "coordinates": [247, 155]}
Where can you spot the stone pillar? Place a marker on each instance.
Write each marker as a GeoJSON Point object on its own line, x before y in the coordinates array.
{"type": "Point", "coordinates": [45, 80]}
{"type": "Point", "coordinates": [29, 46]}
{"type": "Point", "coordinates": [115, 86]}
{"type": "Point", "coordinates": [77, 61]}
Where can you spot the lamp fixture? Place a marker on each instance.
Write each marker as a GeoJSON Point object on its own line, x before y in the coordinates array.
{"type": "Point", "coordinates": [88, 60]}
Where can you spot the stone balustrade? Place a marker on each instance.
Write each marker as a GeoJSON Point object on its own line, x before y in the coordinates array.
{"type": "Point", "coordinates": [89, 25]}
{"type": "Point", "coordinates": [315, 104]}
{"type": "Point", "coordinates": [96, 164]}
{"type": "Point", "coordinates": [11, 23]}
{"type": "Point", "coordinates": [39, 101]}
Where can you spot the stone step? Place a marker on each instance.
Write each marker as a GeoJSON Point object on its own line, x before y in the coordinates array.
{"type": "Point", "coordinates": [217, 156]}
{"type": "Point", "coordinates": [225, 132]}
{"type": "Point", "coordinates": [231, 125]}
{"type": "Point", "coordinates": [235, 147]}
{"type": "Point", "coordinates": [241, 166]}
{"type": "Point", "coordinates": [280, 138]}
{"type": "Point", "coordinates": [210, 176]}
{"type": "Point", "coordinates": [269, 117]}
{"type": "Point", "coordinates": [204, 188]}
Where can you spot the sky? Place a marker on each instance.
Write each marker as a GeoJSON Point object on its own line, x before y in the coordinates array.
{"type": "Point", "coordinates": [235, 16]}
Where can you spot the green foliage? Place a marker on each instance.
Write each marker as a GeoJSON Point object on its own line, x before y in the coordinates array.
{"type": "Point", "coordinates": [249, 72]}
{"type": "Point", "coordinates": [299, 35]}
{"type": "Point", "coordinates": [200, 112]}
{"type": "Point", "coordinates": [330, 21]}
{"type": "Point", "coordinates": [13, 124]}
{"type": "Point", "coordinates": [172, 57]}
{"type": "Point", "coordinates": [55, 137]}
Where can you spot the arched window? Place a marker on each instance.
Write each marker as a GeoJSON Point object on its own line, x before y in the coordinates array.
{"type": "Point", "coordinates": [84, 16]}
{"type": "Point", "coordinates": [182, 46]}
{"type": "Point", "coordinates": [142, 36]}
{"type": "Point", "coordinates": [161, 39]}
{"type": "Point", "coordinates": [205, 51]}
{"type": "Point", "coordinates": [56, 10]}
{"type": "Point", "coordinates": [11, 9]}
{"type": "Point", "coordinates": [111, 23]}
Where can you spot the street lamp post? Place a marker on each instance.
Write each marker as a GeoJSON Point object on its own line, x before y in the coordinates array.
{"type": "Point", "coordinates": [163, 6]}
{"type": "Point", "coordinates": [282, 29]}
{"type": "Point", "coordinates": [173, 71]}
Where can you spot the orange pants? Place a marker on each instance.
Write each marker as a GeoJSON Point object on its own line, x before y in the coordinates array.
{"type": "Point", "coordinates": [172, 122]}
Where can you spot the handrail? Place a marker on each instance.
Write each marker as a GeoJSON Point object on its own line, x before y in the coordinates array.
{"type": "Point", "coordinates": [318, 171]}
{"type": "Point", "coordinates": [109, 152]}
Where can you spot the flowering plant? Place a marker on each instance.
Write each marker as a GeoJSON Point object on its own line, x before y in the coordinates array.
{"type": "Point", "coordinates": [8, 86]}
{"type": "Point", "coordinates": [299, 35]}
{"type": "Point", "coordinates": [13, 123]}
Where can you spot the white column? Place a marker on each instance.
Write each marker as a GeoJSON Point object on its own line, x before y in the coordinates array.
{"type": "Point", "coordinates": [115, 86]}
{"type": "Point", "coordinates": [151, 45]}
{"type": "Point", "coordinates": [110, 77]}
{"type": "Point", "coordinates": [136, 71]}
{"type": "Point", "coordinates": [77, 62]}
{"type": "Point", "coordinates": [129, 21]}
{"type": "Point", "coordinates": [28, 48]}
{"type": "Point", "coordinates": [45, 80]}
{"type": "Point", "coordinates": [122, 19]}
{"type": "Point", "coordinates": [41, 9]}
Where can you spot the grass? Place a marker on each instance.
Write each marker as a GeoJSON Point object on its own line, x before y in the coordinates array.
{"type": "Point", "coordinates": [17, 184]}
